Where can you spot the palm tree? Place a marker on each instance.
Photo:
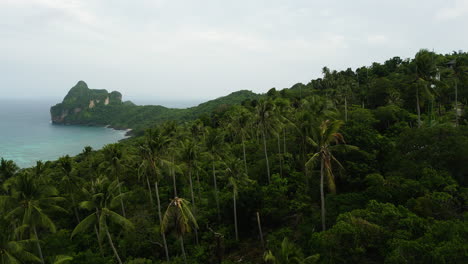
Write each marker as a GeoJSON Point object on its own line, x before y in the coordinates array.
{"type": "Point", "coordinates": [156, 144]}
{"type": "Point", "coordinates": [11, 251]}
{"type": "Point", "coordinates": [180, 219]}
{"type": "Point", "coordinates": [239, 122]}
{"type": "Point", "coordinates": [189, 155]}
{"type": "Point", "coordinates": [70, 182]}
{"type": "Point", "coordinates": [289, 253]}
{"type": "Point", "coordinates": [102, 199]}
{"type": "Point", "coordinates": [113, 155]}
{"type": "Point", "coordinates": [214, 142]}
{"type": "Point", "coordinates": [267, 122]}
{"type": "Point", "coordinates": [29, 199]}
{"type": "Point", "coordinates": [324, 136]}
{"type": "Point", "coordinates": [423, 69]}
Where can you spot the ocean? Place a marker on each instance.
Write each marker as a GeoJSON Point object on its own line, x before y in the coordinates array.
{"type": "Point", "coordinates": [27, 135]}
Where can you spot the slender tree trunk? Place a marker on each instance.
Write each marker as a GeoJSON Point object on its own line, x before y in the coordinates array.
{"type": "Point", "coordinates": [266, 155]}
{"type": "Point", "coordinates": [235, 216]}
{"type": "Point", "coordinates": [99, 240]}
{"type": "Point", "coordinates": [418, 109]}
{"type": "Point", "coordinates": [193, 198]}
{"type": "Point", "coordinates": [199, 186]}
{"type": "Point", "coordinates": [183, 249]}
{"type": "Point", "coordinates": [77, 216]}
{"type": "Point", "coordinates": [245, 157]}
{"type": "Point", "coordinates": [346, 109]}
{"type": "Point", "coordinates": [280, 156]}
{"type": "Point", "coordinates": [216, 191]}
{"type": "Point", "coordinates": [322, 196]}
{"type": "Point", "coordinates": [260, 230]}
{"type": "Point", "coordinates": [284, 140]}
{"type": "Point", "coordinates": [150, 192]}
{"type": "Point", "coordinates": [121, 199]}
{"type": "Point", "coordinates": [39, 249]}
{"type": "Point", "coordinates": [160, 220]}
{"type": "Point", "coordinates": [456, 103]}
{"type": "Point", "coordinates": [113, 247]}
{"type": "Point", "coordinates": [174, 178]}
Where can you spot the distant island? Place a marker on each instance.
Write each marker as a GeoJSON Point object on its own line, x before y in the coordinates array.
{"type": "Point", "coordinates": [98, 107]}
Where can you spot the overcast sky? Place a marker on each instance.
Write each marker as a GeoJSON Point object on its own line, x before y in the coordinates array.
{"type": "Point", "coordinates": [192, 50]}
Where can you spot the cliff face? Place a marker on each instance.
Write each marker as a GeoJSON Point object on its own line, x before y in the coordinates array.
{"type": "Point", "coordinates": [79, 101]}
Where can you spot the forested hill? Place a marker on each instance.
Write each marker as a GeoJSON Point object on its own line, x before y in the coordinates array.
{"type": "Point", "coordinates": [86, 106]}
{"type": "Point", "coordinates": [359, 166]}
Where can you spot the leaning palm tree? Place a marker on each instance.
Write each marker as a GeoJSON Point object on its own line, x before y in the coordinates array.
{"type": "Point", "coordinates": [179, 218]}
{"type": "Point", "coordinates": [103, 197]}
{"type": "Point", "coordinates": [324, 136]}
{"type": "Point", "coordinates": [29, 200]}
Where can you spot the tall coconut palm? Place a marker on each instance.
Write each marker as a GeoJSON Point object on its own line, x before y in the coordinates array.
{"type": "Point", "coordinates": [102, 194]}
{"type": "Point", "coordinates": [214, 142]}
{"type": "Point", "coordinates": [239, 122]}
{"type": "Point", "coordinates": [189, 155]}
{"type": "Point", "coordinates": [70, 182]}
{"type": "Point", "coordinates": [179, 218]}
{"type": "Point", "coordinates": [29, 200]}
{"type": "Point", "coordinates": [113, 155]}
{"type": "Point", "coordinates": [156, 144]}
{"type": "Point", "coordinates": [267, 122]}
{"type": "Point", "coordinates": [237, 180]}
{"type": "Point", "coordinates": [423, 70]}
{"type": "Point", "coordinates": [325, 135]}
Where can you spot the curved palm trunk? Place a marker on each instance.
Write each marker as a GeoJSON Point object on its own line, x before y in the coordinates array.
{"type": "Point", "coordinates": [216, 191]}
{"type": "Point", "coordinates": [266, 155]}
{"type": "Point", "coordinates": [113, 247]}
{"type": "Point", "coordinates": [193, 198]}
{"type": "Point", "coordinates": [235, 216]}
{"type": "Point", "coordinates": [39, 249]}
{"type": "Point", "coordinates": [245, 157]}
{"type": "Point", "coordinates": [160, 220]}
{"type": "Point", "coordinates": [260, 230]}
{"type": "Point", "coordinates": [322, 196]}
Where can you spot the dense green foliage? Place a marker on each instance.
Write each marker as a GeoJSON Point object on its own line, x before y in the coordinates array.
{"type": "Point", "coordinates": [365, 166]}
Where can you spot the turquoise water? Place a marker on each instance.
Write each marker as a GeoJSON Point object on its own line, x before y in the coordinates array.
{"type": "Point", "coordinates": [26, 134]}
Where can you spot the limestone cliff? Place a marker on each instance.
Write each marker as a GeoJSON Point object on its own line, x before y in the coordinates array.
{"type": "Point", "coordinates": [79, 101]}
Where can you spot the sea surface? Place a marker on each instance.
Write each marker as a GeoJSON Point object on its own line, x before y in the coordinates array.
{"type": "Point", "coordinates": [27, 135]}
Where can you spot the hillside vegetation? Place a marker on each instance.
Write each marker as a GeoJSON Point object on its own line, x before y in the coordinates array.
{"type": "Point", "coordinates": [359, 166]}
{"type": "Point", "coordinates": [122, 115]}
